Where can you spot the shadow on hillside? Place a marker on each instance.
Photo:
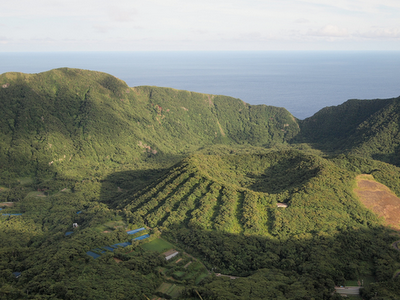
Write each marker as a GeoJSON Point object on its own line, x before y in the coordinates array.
{"type": "Point", "coordinates": [317, 262]}
{"type": "Point", "coordinates": [391, 158]}
{"type": "Point", "coordinates": [120, 185]}
{"type": "Point", "coordinates": [340, 251]}
{"type": "Point", "coordinates": [281, 177]}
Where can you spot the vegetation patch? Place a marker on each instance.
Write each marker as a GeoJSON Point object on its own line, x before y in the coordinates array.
{"type": "Point", "coordinates": [266, 173]}
{"type": "Point", "coordinates": [169, 290]}
{"type": "Point", "coordinates": [36, 194]}
{"type": "Point", "coordinates": [3, 189]}
{"type": "Point", "coordinates": [200, 277]}
{"type": "Point", "coordinates": [160, 245]}
{"type": "Point", "coordinates": [25, 180]}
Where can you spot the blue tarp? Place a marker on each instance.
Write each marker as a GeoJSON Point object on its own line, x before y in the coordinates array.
{"type": "Point", "coordinates": [99, 250]}
{"type": "Point", "coordinates": [12, 214]}
{"type": "Point", "coordinates": [136, 230]}
{"type": "Point", "coordinates": [17, 274]}
{"type": "Point", "coordinates": [142, 237]}
{"type": "Point", "coordinates": [108, 248]}
{"type": "Point", "coordinates": [113, 247]}
{"type": "Point", "coordinates": [92, 254]}
{"type": "Point", "coordinates": [68, 233]}
{"type": "Point", "coordinates": [125, 244]}
{"type": "Point", "coordinates": [1, 208]}
{"type": "Point", "coordinates": [79, 212]}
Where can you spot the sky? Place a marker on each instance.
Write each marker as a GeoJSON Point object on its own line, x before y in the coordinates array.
{"type": "Point", "coordinates": [206, 25]}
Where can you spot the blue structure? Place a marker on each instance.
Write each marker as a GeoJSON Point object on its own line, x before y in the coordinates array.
{"type": "Point", "coordinates": [78, 212]}
{"type": "Point", "coordinates": [92, 254]}
{"type": "Point", "coordinates": [115, 246]}
{"type": "Point", "coordinates": [68, 233]}
{"type": "Point", "coordinates": [12, 214]}
{"type": "Point", "coordinates": [125, 244]}
{"type": "Point", "coordinates": [101, 251]}
{"type": "Point", "coordinates": [136, 230]}
{"type": "Point", "coordinates": [142, 237]}
{"type": "Point", "coordinates": [17, 274]}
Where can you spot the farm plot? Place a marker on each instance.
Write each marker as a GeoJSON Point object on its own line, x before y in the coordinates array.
{"type": "Point", "coordinates": [169, 290]}
{"type": "Point", "coordinates": [160, 245]}
{"type": "Point", "coordinates": [180, 271]}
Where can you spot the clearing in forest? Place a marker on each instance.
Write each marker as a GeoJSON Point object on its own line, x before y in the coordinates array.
{"type": "Point", "coordinates": [160, 245]}
{"type": "Point", "coordinates": [379, 198]}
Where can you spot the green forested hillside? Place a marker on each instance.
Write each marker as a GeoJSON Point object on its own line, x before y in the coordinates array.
{"type": "Point", "coordinates": [68, 119]}
{"type": "Point", "coordinates": [363, 128]}
{"type": "Point", "coordinates": [246, 191]}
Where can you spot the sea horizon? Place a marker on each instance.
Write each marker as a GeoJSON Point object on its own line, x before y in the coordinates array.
{"type": "Point", "coordinates": [303, 82]}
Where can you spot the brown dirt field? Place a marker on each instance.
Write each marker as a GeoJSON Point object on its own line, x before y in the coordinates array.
{"type": "Point", "coordinates": [9, 204]}
{"type": "Point", "coordinates": [379, 198]}
{"type": "Point", "coordinates": [117, 260]}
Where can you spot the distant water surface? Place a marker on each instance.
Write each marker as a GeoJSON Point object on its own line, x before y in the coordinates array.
{"type": "Point", "coordinates": [302, 82]}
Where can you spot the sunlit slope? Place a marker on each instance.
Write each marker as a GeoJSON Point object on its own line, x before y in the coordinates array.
{"type": "Point", "coordinates": [77, 122]}
{"type": "Point", "coordinates": [239, 193]}
{"type": "Point", "coordinates": [367, 128]}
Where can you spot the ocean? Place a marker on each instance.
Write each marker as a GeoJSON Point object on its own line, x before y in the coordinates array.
{"type": "Point", "coordinates": [303, 82]}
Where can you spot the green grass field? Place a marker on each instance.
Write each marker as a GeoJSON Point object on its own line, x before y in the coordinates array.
{"type": "Point", "coordinates": [170, 289]}
{"type": "Point", "coordinates": [201, 277]}
{"type": "Point", "coordinates": [110, 225]}
{"type": "Point", "coordinates": [178, 274]}
{"type": "Point", "coordinates": [114, 224]}
{"type": "Point", "coordinates": [164, 287]}
{"type": "Point", "coordinates": [159, 245]}
{"type": "Point", "coordinates": [351, 283]}
{"type": "Point", "coordinates": [176, 291]}
{"type": "Point", "coordinates": [189, 276]}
